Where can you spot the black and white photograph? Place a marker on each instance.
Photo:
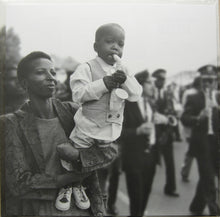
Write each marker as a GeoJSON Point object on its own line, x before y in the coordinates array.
{"type": "Point", "coordinates": [109, 108]}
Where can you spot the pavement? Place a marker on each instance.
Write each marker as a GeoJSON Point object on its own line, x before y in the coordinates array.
{"type": "Point", "coordinates": [160, 204]}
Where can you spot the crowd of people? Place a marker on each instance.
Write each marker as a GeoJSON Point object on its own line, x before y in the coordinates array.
{"type": "Point", "coordinates": [64, 153]}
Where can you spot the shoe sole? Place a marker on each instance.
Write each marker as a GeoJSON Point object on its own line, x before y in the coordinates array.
{"type": "Point", "coordinates": [80, 207]}
{"type": "Point", "coordinates": [62, 208]}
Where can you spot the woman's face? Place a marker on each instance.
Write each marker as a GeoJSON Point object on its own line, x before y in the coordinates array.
{"type": "Point", "coordinates": [148, 90]}
{"type": "Point", "coordinates": [40, 79]}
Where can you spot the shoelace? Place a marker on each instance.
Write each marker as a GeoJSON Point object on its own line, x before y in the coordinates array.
{"type": "Point", "coordinates": [81, 193]}
{"type": "Point", "coordinates": [64, 199]}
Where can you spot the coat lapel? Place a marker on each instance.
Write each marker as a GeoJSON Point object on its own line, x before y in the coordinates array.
{"type": "Point", "coordinates": [30, 132]}
{"type": "Point", "coordinates": [65, 117]}
{"type": "Point", "coordinates": [138, 114]}
{"type": "Point", "coordinates": [29, 129]}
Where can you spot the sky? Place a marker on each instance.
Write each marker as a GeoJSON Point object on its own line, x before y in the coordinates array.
{"type": "Point", "coordinates": [166, 34]}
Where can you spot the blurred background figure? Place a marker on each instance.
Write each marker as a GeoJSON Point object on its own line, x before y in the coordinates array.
{"type": "Point", "coordinates": [64, 67]}
{"type": "Point", "coordinates": [188, 158]}
{"type": "Point", "coordinates": [174, 91]}
{"type": "Point", "coordinates": [165, 132]}
{"type": "Point", "coordinates": [201, 113]}
{"type": "Point", "coordinates": [109, 182]}
{"type": "Point", "coordinates": [139, 152]}
{"type": "Point", "coordinates": [14, 94]}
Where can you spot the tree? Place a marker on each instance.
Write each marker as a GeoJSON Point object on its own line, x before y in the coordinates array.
{"type": "Point", "coordinates": [9, 57]}
{"type": "Point", "coordinates": [2, 47]}
{"type": "Point", "coordinates": [10, 48]}
{"type": "Point", "coordinates": [12, 56]}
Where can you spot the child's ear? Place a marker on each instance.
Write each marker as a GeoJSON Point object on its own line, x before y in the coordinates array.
{"type": "Point", "coordinates": [95, 46]}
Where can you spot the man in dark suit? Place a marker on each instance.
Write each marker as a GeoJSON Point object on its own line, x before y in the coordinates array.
{"type": "Point", "coordinates": [165, 132]}
{"type": "Point", "coordinates": [139, 152]}
{"type": "Point", "coordinates": [201, 113]}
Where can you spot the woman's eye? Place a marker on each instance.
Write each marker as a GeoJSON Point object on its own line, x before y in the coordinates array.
{"type": "Point", "coordinates": [39, 72]}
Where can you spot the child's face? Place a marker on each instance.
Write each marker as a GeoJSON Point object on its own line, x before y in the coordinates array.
{"type": "Point", "coordinates": [111, 42]}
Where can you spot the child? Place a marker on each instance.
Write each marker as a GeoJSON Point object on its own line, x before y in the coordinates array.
{"type": "Point", "coordinates": [96, 125]}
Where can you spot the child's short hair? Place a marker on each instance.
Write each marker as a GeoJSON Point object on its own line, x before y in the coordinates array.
{"type": "Point", "coordinates": [101, 29]}
{"type": "Point", "coordinates": [22, 69]}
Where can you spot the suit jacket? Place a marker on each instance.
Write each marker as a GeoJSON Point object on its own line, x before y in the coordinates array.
{"type": "Point", "coordinates": [194, 105]}
{"type": "Point", "coordinates": [133, 146]}
{"type": "Point", "coordinates": [165, 131]}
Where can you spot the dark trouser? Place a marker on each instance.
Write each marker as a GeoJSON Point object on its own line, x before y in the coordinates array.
{"type": "Point", "coordinates": [206, 191]}
{"type": "Point", "coordinates": [111, 174]}
{"type": "Point", "coordinates": [187, 164]}
{"type": "Point", "coordinates": [177, 131]}
{"type": "Point", "coordinates": [167, 152]}
{"type": "Point", "coordinates": [139, 183]}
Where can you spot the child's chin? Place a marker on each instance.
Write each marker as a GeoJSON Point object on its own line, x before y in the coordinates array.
{"type": "Point", "coordinates": [110, 61]}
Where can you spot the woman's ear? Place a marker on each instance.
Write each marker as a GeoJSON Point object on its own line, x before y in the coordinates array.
{"type": "Point", "coordinates": [95, 46]}
{"type": "Point", "coordinates": [24, 84]}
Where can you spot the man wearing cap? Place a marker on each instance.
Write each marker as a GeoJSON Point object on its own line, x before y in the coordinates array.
{"type": "Point", "coordinates": [201, 114]}
{"type": "Point", "coordinates": [165, 131]}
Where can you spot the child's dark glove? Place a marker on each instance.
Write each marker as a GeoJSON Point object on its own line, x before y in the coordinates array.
{"type": "Point", "coordinates": [110, 82]}
{"type": "Point", "coordinates": [119, 77]}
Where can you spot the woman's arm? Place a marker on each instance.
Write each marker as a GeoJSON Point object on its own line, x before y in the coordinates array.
{"type": "Point", "coordinates": [21, 177]}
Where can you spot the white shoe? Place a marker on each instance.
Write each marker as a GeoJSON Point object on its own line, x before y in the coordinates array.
{"type": "Point", "coordinates": [64, 199]}
{"type": "Point", "coordinates": [81, 199]}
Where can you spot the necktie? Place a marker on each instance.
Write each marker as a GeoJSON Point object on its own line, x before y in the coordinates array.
{"type": "Point", "coordinates": [145, 110]}
{"type": "Point", "coordinates": [159, 94]}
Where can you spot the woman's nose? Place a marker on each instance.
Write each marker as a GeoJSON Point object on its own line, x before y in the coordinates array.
{"type": "Point", "coordinates": [50, 76]}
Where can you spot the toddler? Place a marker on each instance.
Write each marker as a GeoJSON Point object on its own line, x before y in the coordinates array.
{"type": "Point", "coordinates": [98, 121]}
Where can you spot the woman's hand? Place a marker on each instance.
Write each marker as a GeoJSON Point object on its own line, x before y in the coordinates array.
{"type": "Point", "coordinates": [69, 177]}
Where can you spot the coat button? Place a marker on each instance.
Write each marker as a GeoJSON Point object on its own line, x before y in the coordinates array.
{"type": "Point", "coordinates": [109, 116]}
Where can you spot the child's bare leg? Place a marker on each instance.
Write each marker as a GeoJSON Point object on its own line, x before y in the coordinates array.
{"type": "Point", "coordinates": [67, 152]}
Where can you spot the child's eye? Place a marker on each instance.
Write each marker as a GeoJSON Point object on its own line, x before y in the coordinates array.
{"type": "Point", "coordinates": [109, 41]}
{"type": "Point", "coordinates": [121, 44]}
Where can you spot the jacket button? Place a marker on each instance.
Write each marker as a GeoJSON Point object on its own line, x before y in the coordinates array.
{"type": "Point", "coordinates": [109, 116]}
{"type": "Point", "coordinates": [118, 115]}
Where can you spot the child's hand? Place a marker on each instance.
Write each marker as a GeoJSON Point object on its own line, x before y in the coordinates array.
{"type": "Point", "coordinates": [110, 82]}
{"type": "Point", "coordinates": [119, 77]}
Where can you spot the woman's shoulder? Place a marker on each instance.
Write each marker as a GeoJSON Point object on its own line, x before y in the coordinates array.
{"type": "Point", "coordinates": [65, 106]}
{"type": "Point", "coordinates": [11, 117]}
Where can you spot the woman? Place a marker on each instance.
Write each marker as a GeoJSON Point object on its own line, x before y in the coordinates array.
{"type": "Point", "coordinates": [33, 173]}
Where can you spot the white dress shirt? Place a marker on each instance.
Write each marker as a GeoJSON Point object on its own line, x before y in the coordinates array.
{"type": "Point", "coordinates": [84, 89]}
{"type": "Point", "coordinates": [149, 113]}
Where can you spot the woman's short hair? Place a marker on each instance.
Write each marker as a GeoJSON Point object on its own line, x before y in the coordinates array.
{"type": "Point", "coordinates": [22, 69]}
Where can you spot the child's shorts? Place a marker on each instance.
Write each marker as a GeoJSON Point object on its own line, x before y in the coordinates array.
{"type": "Point", "coordinates": [92, 158]}
{"type": "Point", "coordinates": [93, 154]}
